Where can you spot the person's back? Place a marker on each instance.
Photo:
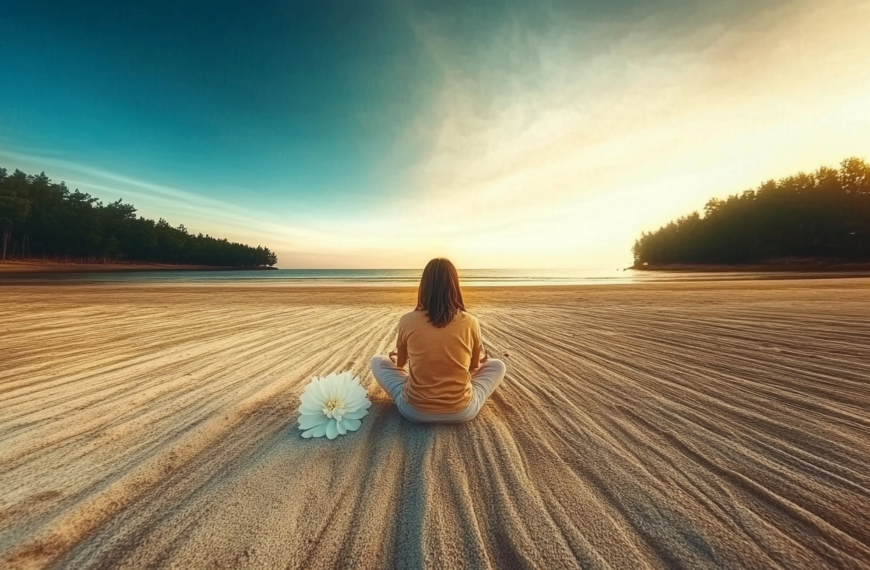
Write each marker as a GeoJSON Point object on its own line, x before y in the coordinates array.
{"type": "Point", "coordinates": [439, 380]}
{"type": "Point", "coordinates": [449, 377]}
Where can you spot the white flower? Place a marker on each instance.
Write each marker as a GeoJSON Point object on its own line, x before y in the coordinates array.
{"type": "Point", "coordinates": [332, 405]}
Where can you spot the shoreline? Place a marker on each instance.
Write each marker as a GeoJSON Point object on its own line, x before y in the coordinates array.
{"type": "Point", "coordinates": [30, 267]}
{"type": "Point", "coordinates": [90, 277]}
{"type": "Point", "coordinates": [778, 267]}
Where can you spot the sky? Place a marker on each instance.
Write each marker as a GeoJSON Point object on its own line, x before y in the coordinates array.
{"type": "Point", "coordinates": [370, 134]}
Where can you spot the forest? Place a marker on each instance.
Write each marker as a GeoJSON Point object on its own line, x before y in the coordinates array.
{"type": "Point", "coordinates": [41, 219]}
{"type": "Point", "coordinates": [821, 216]}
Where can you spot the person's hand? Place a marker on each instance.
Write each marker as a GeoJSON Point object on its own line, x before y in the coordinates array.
{"type": "Point", "coordinates": [393, 355]}
{"type": "Point", "coordinates": [484, 356]}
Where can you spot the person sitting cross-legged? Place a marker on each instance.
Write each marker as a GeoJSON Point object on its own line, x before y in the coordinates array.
{"type": "Point", "coordinates": [449, 378]}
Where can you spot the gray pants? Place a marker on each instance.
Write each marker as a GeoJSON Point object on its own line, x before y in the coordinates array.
{"type": "Point", "coordinates": [484, 381]}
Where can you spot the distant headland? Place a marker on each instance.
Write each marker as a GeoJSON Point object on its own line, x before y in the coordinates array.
{"type": "Point", "coordinates": [46, 227]}
{"type": "Point", "coordinates": [30, 266]}
{"type": "Point", "coordinates": [818, 222]}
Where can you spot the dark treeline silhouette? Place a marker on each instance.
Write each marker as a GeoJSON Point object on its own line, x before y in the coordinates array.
{"type": "Point", "coordinates": [820, 216]}
{"type": "Point", "coordinates": [43, 219]}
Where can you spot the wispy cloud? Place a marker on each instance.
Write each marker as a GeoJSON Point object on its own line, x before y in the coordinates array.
{"type": "Point", "coordinates": [197, 211]}
{"type": "Point", "coordinates": [554, 138]}
{"type": "Point", "coordinates": [578, 148]}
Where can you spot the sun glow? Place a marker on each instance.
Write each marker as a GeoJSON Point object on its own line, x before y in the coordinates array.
{"type": "Point", "coordinates": [591, 133]}
{"type": "Point", "coordinates": [547, 177]}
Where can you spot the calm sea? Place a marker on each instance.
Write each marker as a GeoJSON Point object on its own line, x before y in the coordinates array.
{"type": "Point", "coordinates": [397, 277]}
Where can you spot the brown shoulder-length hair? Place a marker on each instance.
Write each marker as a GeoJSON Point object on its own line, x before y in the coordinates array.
{"type": "Point", "coordinates": [439, 293]}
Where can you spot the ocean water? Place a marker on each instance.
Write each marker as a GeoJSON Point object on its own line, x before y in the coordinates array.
{"type": "Point", "coordinates": [379, 277]}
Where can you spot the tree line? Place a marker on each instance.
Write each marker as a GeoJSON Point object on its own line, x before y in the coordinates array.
{"type": "Point", "coordinates": [824, 215]}
{"type": "Point", "coordinates": [43, 219]}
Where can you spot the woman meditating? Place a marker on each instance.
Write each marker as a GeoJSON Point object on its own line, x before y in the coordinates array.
{"type": "Point", "coordinates": [449, 378]}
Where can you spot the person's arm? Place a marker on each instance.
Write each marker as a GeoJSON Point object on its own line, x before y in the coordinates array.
{"type": "Point", "coordinates": [400, 355]}
{"type": "Point", "coordinates": [475, 359]}
{"type": "Point", "coordinates": [479, 357]}
{"type": "Point", "coordinates": [478, 352]}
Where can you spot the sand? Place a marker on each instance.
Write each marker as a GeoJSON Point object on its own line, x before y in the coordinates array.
{"type": "Point", "coordinates": [682, 425]}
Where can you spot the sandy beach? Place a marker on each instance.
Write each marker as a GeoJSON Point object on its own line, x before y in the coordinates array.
{"type": "Point", "coordinates": [675, 425]}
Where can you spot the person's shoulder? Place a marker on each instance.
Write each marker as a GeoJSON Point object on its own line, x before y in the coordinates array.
{"type": "Point", "coordinates": [411, 317]}
{"type": "Point", "coordinates": [468, 318]}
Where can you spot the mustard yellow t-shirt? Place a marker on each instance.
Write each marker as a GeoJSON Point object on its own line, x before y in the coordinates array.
{"type": "Point", "coordinates": [440, 382]}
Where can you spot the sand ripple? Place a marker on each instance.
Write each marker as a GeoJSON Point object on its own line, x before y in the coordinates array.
{"type": "Point", "coordinates": [718, 425]}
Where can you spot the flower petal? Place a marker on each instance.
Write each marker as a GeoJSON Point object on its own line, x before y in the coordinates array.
{"type": "Point", "coordinates": [309, 408]}
{"type": "Point", "coordinates": [316, 431]}
{"type": "Point", "coordinates": [309, 421]}
{"type": "Point", "coordinates": [309, 403]}
{"type": "Point", "coordinates": [356, 399]}
{"type": "Point", "coordinates": [319, 385]}
{"type": "Point", "coordinates": [350, 404]}
{"type": "Point", "coordinates": [357, 403]}
{"type": "Point", "coordinates": [331, 430]}
{"type": "Point", "coordinates": [356, 414]}
{"type": "Point", "coordinates": [319, 430]}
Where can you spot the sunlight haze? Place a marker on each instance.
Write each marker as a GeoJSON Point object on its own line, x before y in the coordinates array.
{"type": "Point", "coordinates": [506, 136]}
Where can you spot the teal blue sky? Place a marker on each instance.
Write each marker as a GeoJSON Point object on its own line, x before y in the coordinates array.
{"type": "Point", "coordinates": [380, 134]}
{"type": "Point", "coordinates": [283, 103]}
